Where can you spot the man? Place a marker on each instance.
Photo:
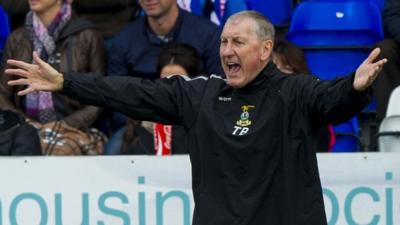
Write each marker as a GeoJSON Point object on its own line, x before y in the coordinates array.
{"type": "Point", "coordinates": [135, 49]}
{"type": "Point", "coordinates": [252, 136]}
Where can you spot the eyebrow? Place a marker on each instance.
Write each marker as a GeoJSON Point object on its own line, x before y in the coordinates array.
{"type": "Point", "coordinates": [234, 37]}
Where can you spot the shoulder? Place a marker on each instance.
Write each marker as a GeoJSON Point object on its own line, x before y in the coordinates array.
{"type": "Point", "coordinates": [202, 78]}
{"type": "Point", "coordinates": [76, 26]}
{"type": "Point", "coordinates": [134, 29]}
{"type": "Point", "coordinates": [82, 28]}
{"type": "Point", "coordinates": [90, 34]}
{"type": "Point", "coordinates": [199, 23]}
{"type": "Point", "coordinates": [296, 82]}
{"type": "Point", "coordinates": [198, 81]}
{"type": "Point", "coordinates": [290, 84]}
{"type": "Point", "coordinates": [18, 35]}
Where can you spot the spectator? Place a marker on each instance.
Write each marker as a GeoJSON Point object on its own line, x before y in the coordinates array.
{"type": "Point", "coordinates": [179, 59]}
{"type": "Point", "coordinates": [67, 43]}
{"type": "Point", "coordinates": [16, 136]}
{"type": "Point", "coordinates": [174, 59]}
{"type": "Point", "coordinates": [135, 49]}
{"type": "Point", "coordinates": [290, 59]}
{"type": "Point", "coordinates": [389, 78]}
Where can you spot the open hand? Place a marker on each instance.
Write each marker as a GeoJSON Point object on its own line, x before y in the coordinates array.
{"type": "Point", "coordinates": [38, 77]}
{"type": "Point", "coordinates": [368, 71]}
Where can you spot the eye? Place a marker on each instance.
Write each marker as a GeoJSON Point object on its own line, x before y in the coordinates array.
{"type": "Point", "coordinates": [239, 42]}
{"type": "Point", "coordinates": [223, 41]}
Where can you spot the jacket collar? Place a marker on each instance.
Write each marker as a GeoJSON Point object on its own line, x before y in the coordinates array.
{"type": "Point", "coordinates": [75, 25]}
{"type": "Point", "coordinates": [268, 72]}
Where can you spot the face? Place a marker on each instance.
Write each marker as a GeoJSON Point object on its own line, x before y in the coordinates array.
{"type": "Point", "coordinates": [243, 55]}
{"type": "Point", "coordinates": [157, 8]}
{"type": "Point", "coordinates": [40, 6]}
{"type": "Point", "coordinates": [277, 59]}
{"type": "Point", "coordinates": [172, 69]}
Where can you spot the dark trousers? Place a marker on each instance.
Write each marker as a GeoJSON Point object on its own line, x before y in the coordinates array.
{"type": "Point", "coordinates": [389, 78]}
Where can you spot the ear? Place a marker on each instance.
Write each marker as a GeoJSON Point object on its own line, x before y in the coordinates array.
{"type": "Point", "coordinates": [266, 50]}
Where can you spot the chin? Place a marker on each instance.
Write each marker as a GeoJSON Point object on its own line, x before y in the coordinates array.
{"type": "Point", "coordinates": [35, 9]}
{"type": "Point", "coordinates": [235, 84]}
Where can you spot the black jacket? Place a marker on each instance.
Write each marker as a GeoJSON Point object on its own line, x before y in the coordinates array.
{"type": "Point", "coordinates": [252, 149]}
{"type": "Point", "coordinates": [16, 136]}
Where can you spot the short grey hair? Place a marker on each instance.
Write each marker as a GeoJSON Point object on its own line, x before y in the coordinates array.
{"type": "Point", "coordinates": [264, 28]}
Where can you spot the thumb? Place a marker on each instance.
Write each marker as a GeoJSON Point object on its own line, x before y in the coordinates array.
{"type": "Point", "coordinates": [38, 60]}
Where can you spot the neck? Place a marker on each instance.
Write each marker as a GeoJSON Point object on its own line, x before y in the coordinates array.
{"type": "Point", "coordinates": [47, 16]}
{"type": "Point", "coordinates": [261, 68]}
{"type": "Point", "coordinates": [163, 24]}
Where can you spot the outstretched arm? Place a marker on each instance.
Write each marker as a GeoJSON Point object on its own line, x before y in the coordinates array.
{"type": "Point", "coordinates": [39, 77]}
{"type": "Point", "coordinates": [169, 101]}
{"type": "Point", "coordinates": [335, 101]}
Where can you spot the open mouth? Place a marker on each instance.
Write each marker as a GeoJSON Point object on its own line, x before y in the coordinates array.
{"type": "Point", "coordinates": [233, 67]}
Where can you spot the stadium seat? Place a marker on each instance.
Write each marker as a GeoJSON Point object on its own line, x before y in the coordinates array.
{"type": "Point", "coordinates": [231, 7]}
{"type": "Point", "coordinates": [389, 130]}
{"type": "Point", "coordinates": [379, 3]}
{"type": "Point", "coordinates": [279, 12]}
{"type": "Point", "coordinates": [336, 36]}
{"type": "Point", "coordinates": [347, 137]}
{"type": "Point", "coordinates": [213, 9]}
{"type": "Point", "coordinates": [196, 7]}
{"type": "Point", "coordinates": [4, 29]}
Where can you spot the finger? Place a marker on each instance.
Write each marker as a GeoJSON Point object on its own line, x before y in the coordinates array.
{"type": "Point", "coordinates": [26, 91]}
{"type": "Point", "coordinates": [19, 64]}
{"type": "Point", "coordinates": [372, 56]}
{"type": "Point", "coordinates": [379, 69]}
{"type": "Point", "coordinates": [375, 72]}
{"type": "Point", "coordinates": [18, 82]}
{"type": "Point", "coordinates": [38, 60]}
{"type": "Point", "coordinates": [380, 63]}
{"type": "Point", "coordinates": [17, 72]}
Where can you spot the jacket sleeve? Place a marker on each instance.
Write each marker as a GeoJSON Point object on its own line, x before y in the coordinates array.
{"type": "Point", "coordinates": [391, 19]}
{"type": "Point", "coordinates": [6, 91]}
{"type": "Point", "coordinates": [168, 101]}
{"type": "Point", "coordinates": [87, 114]}
{"type": "Point", "coordinates": [332, 102]}
{"type": "Point", "coordinates": [26, 141]}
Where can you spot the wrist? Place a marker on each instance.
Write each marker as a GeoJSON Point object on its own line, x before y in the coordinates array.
{"type": "Point", "coordinates": [60, 81]}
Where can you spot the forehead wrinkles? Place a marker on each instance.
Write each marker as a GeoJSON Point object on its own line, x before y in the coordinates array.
{"type": "Point", "coordinates": [234, 23]}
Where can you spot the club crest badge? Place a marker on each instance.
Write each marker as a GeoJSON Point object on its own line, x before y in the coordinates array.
{"type": "Point", "coordinates": [244, 117]}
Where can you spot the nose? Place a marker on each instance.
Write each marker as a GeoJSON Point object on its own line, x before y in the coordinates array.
{"type": "Point", "coordinates": [226, 50]}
